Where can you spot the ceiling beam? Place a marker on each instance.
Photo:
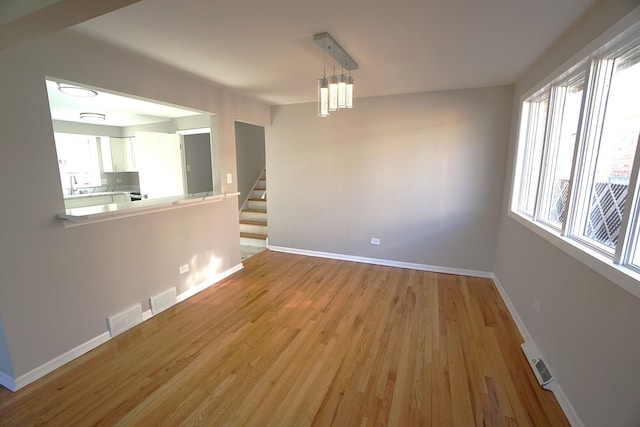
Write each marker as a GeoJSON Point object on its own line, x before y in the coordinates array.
{"type": "Point", "coordinates": [27, 20]}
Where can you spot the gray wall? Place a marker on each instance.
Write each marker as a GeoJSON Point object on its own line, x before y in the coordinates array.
{"type": "Point", "coordinates": [588, 326]}
{"type": "Point", "coordinates": [250, 156]}
{"type": "Point", "coordinates": [58, 285]}
{"type": "Point", "coordinates": [422, 172]}
{"type": "Point", "coordinates": [5, 359]}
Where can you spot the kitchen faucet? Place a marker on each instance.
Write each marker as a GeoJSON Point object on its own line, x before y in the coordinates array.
{"type": "Point", "coordinates": [72, 181]}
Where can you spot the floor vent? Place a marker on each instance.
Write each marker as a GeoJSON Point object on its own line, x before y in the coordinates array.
{"type": "Point", "coordinates": [163, 301]}
{"type": "Point", "coordinates": [120, 322]}
{"type": "Point", "coordinates": [539, 367]}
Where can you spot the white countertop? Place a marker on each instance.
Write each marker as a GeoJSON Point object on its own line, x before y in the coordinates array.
{"type": "Point", "coordinates": [97, 194]}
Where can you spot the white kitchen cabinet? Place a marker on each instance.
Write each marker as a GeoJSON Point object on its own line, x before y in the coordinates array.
{"type": "Point", "coordinates": [117, 155]}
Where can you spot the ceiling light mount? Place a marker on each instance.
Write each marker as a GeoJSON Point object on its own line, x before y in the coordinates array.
{"type": "Point", "coordinates": [96, 117]}
{"type": "Point", "coordinates": [72, 90]}
{"type": "Point", "coordinates": [331, 46]}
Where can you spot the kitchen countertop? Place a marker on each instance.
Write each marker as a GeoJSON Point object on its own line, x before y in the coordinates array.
{"type": "Point", "coordinates": [97, 194]}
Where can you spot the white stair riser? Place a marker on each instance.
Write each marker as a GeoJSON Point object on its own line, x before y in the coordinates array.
{"type": "Point", "coordinates": [247, 241]}
{"type": "Point", "coordinates": [257, 194]}
{"type": "Point", "coordinates": [256, 229]}
{"type": "Point", "coordinates": [255, 204]}
{"type": "Point", "coordinates": [255, 216]}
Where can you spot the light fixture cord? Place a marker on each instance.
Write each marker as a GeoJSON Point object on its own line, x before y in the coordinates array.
{"type": "Point", "coordinates": [324, 58]}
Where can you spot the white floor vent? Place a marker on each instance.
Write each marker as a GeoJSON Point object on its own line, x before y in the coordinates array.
{"type": "Point", "coordinates": [163, 301]}
{"type": "Point", "coordinates": [539, 367]}
{"type": "Point", "coordinates": [120, 322]}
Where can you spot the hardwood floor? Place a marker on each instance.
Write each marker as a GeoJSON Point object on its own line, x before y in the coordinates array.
{"type": "Point", "coordinates": [296, 341]}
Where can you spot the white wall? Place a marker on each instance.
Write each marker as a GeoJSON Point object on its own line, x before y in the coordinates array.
{"type": "Point", "coordinates": [422, 172]}
{"type": "Point", "coordinates": [59, 284]}
{"type": "Point", "coordinates": [587, 326]}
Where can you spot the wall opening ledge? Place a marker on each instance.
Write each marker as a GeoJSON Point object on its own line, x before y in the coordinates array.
{"type": "Point", "coordinates": [100, 213]}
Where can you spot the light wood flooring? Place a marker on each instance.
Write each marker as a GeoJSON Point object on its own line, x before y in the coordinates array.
{"type": "Point", "coordinates": [298, 341]}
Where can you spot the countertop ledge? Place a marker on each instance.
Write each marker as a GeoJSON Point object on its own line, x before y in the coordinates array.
{"type": "Point", "coordinates": [92, 214]}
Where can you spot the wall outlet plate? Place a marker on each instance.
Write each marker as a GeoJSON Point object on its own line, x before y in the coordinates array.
{"type": "Point", "coordinates": [184, 268]}
{"type": "Point", "coordinates": [229, 178]}
{"type": "Point", "coordinates": [375, 241]}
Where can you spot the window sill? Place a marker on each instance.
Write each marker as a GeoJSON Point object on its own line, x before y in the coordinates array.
{"type": "Point", "coordinates": [101, 213]}
{"type": "Point", "coordinates": [626, 278]}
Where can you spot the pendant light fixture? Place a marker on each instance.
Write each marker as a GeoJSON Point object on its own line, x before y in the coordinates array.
{"type": "Point", "coordinates": [349, 100]}
{"type": "Point", "coordinates": [335, 92]}
{"type": "Point", "coordinates": [342, 91]}
{"type": "Point", "coordinates": [323, 92]}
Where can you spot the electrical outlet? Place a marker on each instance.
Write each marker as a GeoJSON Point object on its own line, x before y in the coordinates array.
{"type": "Point", "coordinates": [375, 241]}
{"type": "Point", "coordinates": [536, 305]}
{"type": "Point", "coordinates": [184, 268]}
{"type": "Point", "coordinates": [229, 178]}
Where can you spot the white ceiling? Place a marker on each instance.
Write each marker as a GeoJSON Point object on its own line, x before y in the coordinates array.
{"type": "Point", "coordinates": [265, 48]}
{"type": "Point", "coordinates": [119, 110]}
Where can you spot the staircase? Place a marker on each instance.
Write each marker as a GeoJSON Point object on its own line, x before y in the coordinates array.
{"type": "Point", "coordinates": [253, 215]}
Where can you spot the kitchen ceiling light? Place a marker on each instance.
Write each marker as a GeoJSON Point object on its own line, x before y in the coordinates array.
{"type": "Point", "coordinates": [96, 117]}
{"type": "Point", "coordinates": [76, 90]}
{"type": "Point", "coordinates": [340, 88]}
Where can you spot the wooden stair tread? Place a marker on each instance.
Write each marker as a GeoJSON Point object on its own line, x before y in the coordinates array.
{"type": "Point", "coordinates": [253, 222]}
{"type": "Point", "coordinates": [255, 210]}
{"type": "Point", "coordinates": [253, 236]}
{"type": "Point", "coordinates": [257, 200]}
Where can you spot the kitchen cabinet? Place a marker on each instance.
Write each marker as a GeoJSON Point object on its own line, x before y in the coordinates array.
{"type": "Point", "coordinates": [117, 155]}
{"type": "Point", "coordinates": [82, 200]}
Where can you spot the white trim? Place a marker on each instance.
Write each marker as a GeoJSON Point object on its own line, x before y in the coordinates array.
{"type": "Point", "coordinates": [554, 387]}
{"type": "Point", "coordinates": [204, 285]}
{"type": "Point", "coordinates": [146, 315]}
{"type": "Point", "coordinates": [63, 359]}
{"type": "Point", "coordinates": [7, 381]}
{"type": "Point", "coordinates": [565, 404]}
{"type": "Point", "coordinates": [388, 263]}
{"type": "Point", "coordinates": [526, 336]}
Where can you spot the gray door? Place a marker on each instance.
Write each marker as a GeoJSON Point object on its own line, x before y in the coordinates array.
{"type": "Point", "coordinates": [197, 155]}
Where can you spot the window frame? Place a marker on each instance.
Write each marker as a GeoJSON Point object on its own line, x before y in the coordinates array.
{"type": "Point", "coordinates": [616, 265]}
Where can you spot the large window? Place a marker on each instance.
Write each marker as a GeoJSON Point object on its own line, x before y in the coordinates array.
{"type": "Point", "coordinates": [576, 171]}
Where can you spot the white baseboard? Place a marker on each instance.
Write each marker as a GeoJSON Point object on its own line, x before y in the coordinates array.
{"type": "Point", "coordinates": [556, 388]}
{"type": "Point", "coordinates": [388, 263]}
{"type": "Point", "coordinates": [12, 384]}
{"type": "Point", "coordinates": [202, 286]}
{"type": "Point", "coordinates": [63, 359]}
{"type": "Point", "coordinates": [512, 310]}
{"type": "Point", "coordinates": [565, 404]}
{"type": "Point", "coordinates": [7, 381]}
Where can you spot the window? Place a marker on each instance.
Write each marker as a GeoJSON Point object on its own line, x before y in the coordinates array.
{"type": "Point", "coordinates": [576, 170]}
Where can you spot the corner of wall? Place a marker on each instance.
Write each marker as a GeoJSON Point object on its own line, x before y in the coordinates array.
{"type": "Point", "coordinates": [561, 397]}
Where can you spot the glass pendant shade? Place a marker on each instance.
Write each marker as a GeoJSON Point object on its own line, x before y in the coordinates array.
{"type": "Point", "coordinates": [333, 93]}
{"type": "Point", "coordinates": [342, 92]}
{"type": "Point", "coordinates": [323, 97]}
{"type": "Point", "coordinates": [349, 93]}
